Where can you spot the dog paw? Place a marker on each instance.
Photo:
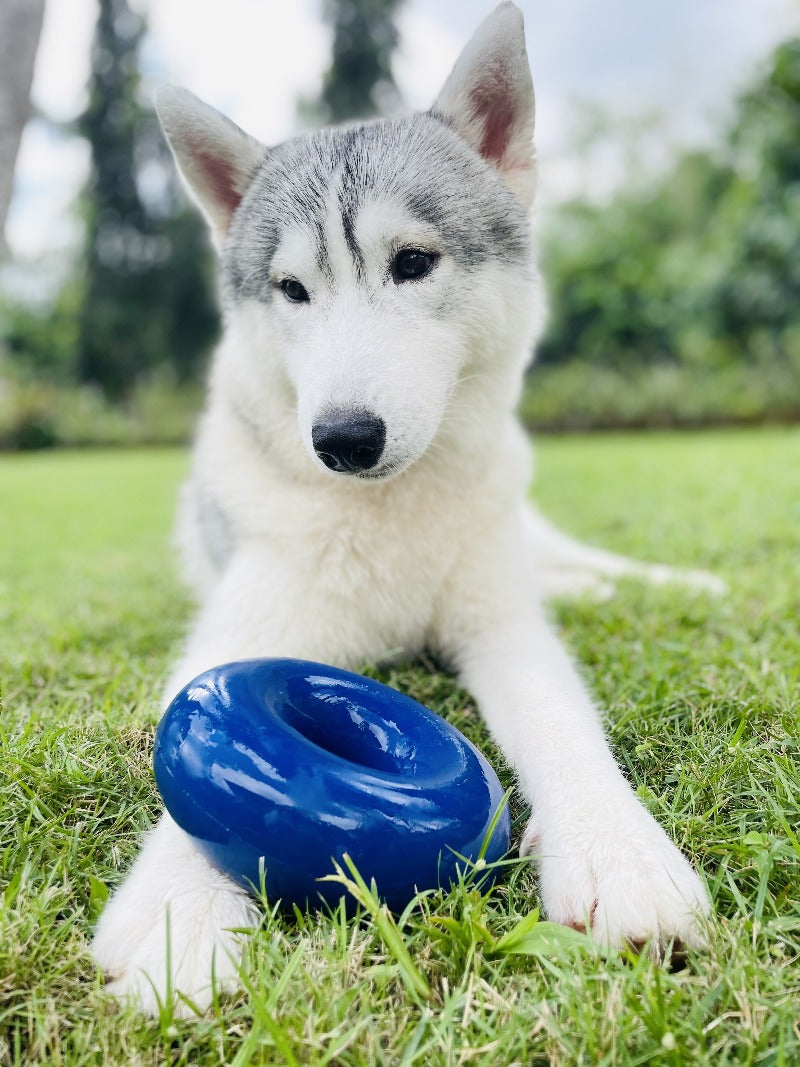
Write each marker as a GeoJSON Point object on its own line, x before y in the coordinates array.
{"type": "Point", "coordinates": [571, 584]}
{"type": "Point", "coordinates": [704, 581]}
{"type": "Point", "coordinates": [153, 949]}
{"type": "Point", "coordinates": [618, 876]}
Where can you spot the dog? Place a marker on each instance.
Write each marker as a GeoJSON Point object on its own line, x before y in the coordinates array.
{"type": "Point", "coordinates": [359, 489]}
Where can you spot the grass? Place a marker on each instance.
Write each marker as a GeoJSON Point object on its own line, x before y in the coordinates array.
{"type": "Point", "coordinates": [703, 708]}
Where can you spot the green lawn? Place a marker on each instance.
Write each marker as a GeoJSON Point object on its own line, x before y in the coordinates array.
{"type": "Point", "coordinates": [703, 703]}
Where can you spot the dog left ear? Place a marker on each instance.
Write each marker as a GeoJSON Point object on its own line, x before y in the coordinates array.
{"type": "Point", "coordinates": [216, 158]}
{"type": "Point", "coordinates": [488, 99]}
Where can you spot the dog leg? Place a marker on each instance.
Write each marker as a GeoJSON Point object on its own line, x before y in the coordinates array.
{"type": "Point", "coordinates": [603, 861]}
{"type": "Point", "coordinates": [260, 607]}
{"type": "Point", "coordinates": [568, 568]}
{"type": "Point", "coordinates": [174, 922]}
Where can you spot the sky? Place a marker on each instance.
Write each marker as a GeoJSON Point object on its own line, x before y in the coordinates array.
{"type": "Point", "coordinates": [252, 59]}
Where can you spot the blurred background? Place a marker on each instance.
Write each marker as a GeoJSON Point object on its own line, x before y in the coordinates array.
{"type": "Point", "coordinates": [669, 213]}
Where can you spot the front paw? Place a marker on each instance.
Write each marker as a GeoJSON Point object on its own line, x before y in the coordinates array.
{"type": "Point", "coordinates": [152, 946]}
{"type": "Point", "coordinates": [616, 871]}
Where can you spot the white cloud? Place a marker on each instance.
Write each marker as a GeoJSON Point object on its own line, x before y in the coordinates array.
{"type": "Point", "coordinates": [428, 49]}
{"type": "Point", "coordinates": [62, 61]}
{"type": "Point", "coordinates": [50, 172]}
{"type": "Point", "coordinates": [250, 59]}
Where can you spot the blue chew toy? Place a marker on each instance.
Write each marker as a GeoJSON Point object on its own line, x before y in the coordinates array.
{"type": "Point", "coordinates": [298, 763]}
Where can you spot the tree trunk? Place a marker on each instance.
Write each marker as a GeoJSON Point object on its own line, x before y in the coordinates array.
{"type": "Point", "coordinates": [20, 27]}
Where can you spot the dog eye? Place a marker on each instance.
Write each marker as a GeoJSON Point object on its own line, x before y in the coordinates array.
{"type": "Point", "coordinates": [412, 263]}
{"type": "Point", "coordinates": [294, 291]}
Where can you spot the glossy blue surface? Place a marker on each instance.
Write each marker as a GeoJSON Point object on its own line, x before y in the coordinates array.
{"type": "Point", "coordinates": [299, 763]}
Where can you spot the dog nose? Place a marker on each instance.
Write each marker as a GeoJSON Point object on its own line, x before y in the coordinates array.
{"type": "Point", "coordinates": [349, 441]}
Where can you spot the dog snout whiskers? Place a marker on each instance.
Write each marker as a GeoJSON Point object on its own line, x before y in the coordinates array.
{"type": "Point", "coordinates": [349, 442]}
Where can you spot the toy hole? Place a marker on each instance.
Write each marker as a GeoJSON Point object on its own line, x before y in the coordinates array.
{"type": "Point", "coordinates": [346, 728]}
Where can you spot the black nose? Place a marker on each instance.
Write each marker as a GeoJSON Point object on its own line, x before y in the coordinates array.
{"type": "Point", "coordinates": [349, 441]}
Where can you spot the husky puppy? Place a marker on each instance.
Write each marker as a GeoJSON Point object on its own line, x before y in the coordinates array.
{"type": "Point", "coordinates": [359, 487]}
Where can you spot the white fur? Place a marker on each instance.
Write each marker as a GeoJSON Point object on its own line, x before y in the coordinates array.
{"type": "Point", "coordinates": [442, 553]}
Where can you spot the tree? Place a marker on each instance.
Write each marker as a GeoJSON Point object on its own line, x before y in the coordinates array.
{"type": "Point", "coordinates": [148, 298]}
{"type": "Point", "coordinates": [359, 81]}
{"type": "Point", "coordinates": [20, 27]}
{"type": "Point", "coordinates": [701, 266]}
{"type": "Point", "coordinates": [759, 290]}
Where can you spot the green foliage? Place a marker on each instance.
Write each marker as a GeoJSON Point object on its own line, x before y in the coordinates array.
{"type": "Point", "coordinates": [148, 292]}
{"type": "Point", "coordinates": [701, 268]}
{"type": "Point", "coordinates": [36, 413]}
{"type": "Point", "coordinates": [40, 342]}
{"type": "Point", "coordinates": [760, 289]}
{"type": "Point", "coordinates": [359, 81]}
{"type": "Point", "coordinates": [582, 396]}
{"type": "Point", "coordinates": [621, 274]}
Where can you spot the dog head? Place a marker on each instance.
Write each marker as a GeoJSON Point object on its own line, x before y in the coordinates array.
{"type": "Point", "coordinates": [370, 271]}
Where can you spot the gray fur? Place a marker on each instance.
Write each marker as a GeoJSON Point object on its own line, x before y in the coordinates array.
{"type": "Point", "coordinates": [215, 527]}
{"type": "Point", "coordinates": [397, 158]}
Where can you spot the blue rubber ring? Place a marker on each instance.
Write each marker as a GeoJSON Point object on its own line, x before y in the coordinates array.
{"type": "Point", "coordinates": [293, 764]}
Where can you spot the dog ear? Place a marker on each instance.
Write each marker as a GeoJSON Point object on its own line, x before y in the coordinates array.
{"type": "Point", "coordinates": [488, 99]}
{"type": "Point", "coordinates": [217, 159]}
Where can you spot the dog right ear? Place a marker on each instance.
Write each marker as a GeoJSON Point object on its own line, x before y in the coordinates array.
{"type": "Point", "coordinates": [488, 99]}
{"type": "Point", "coordinates": [217, 159]}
